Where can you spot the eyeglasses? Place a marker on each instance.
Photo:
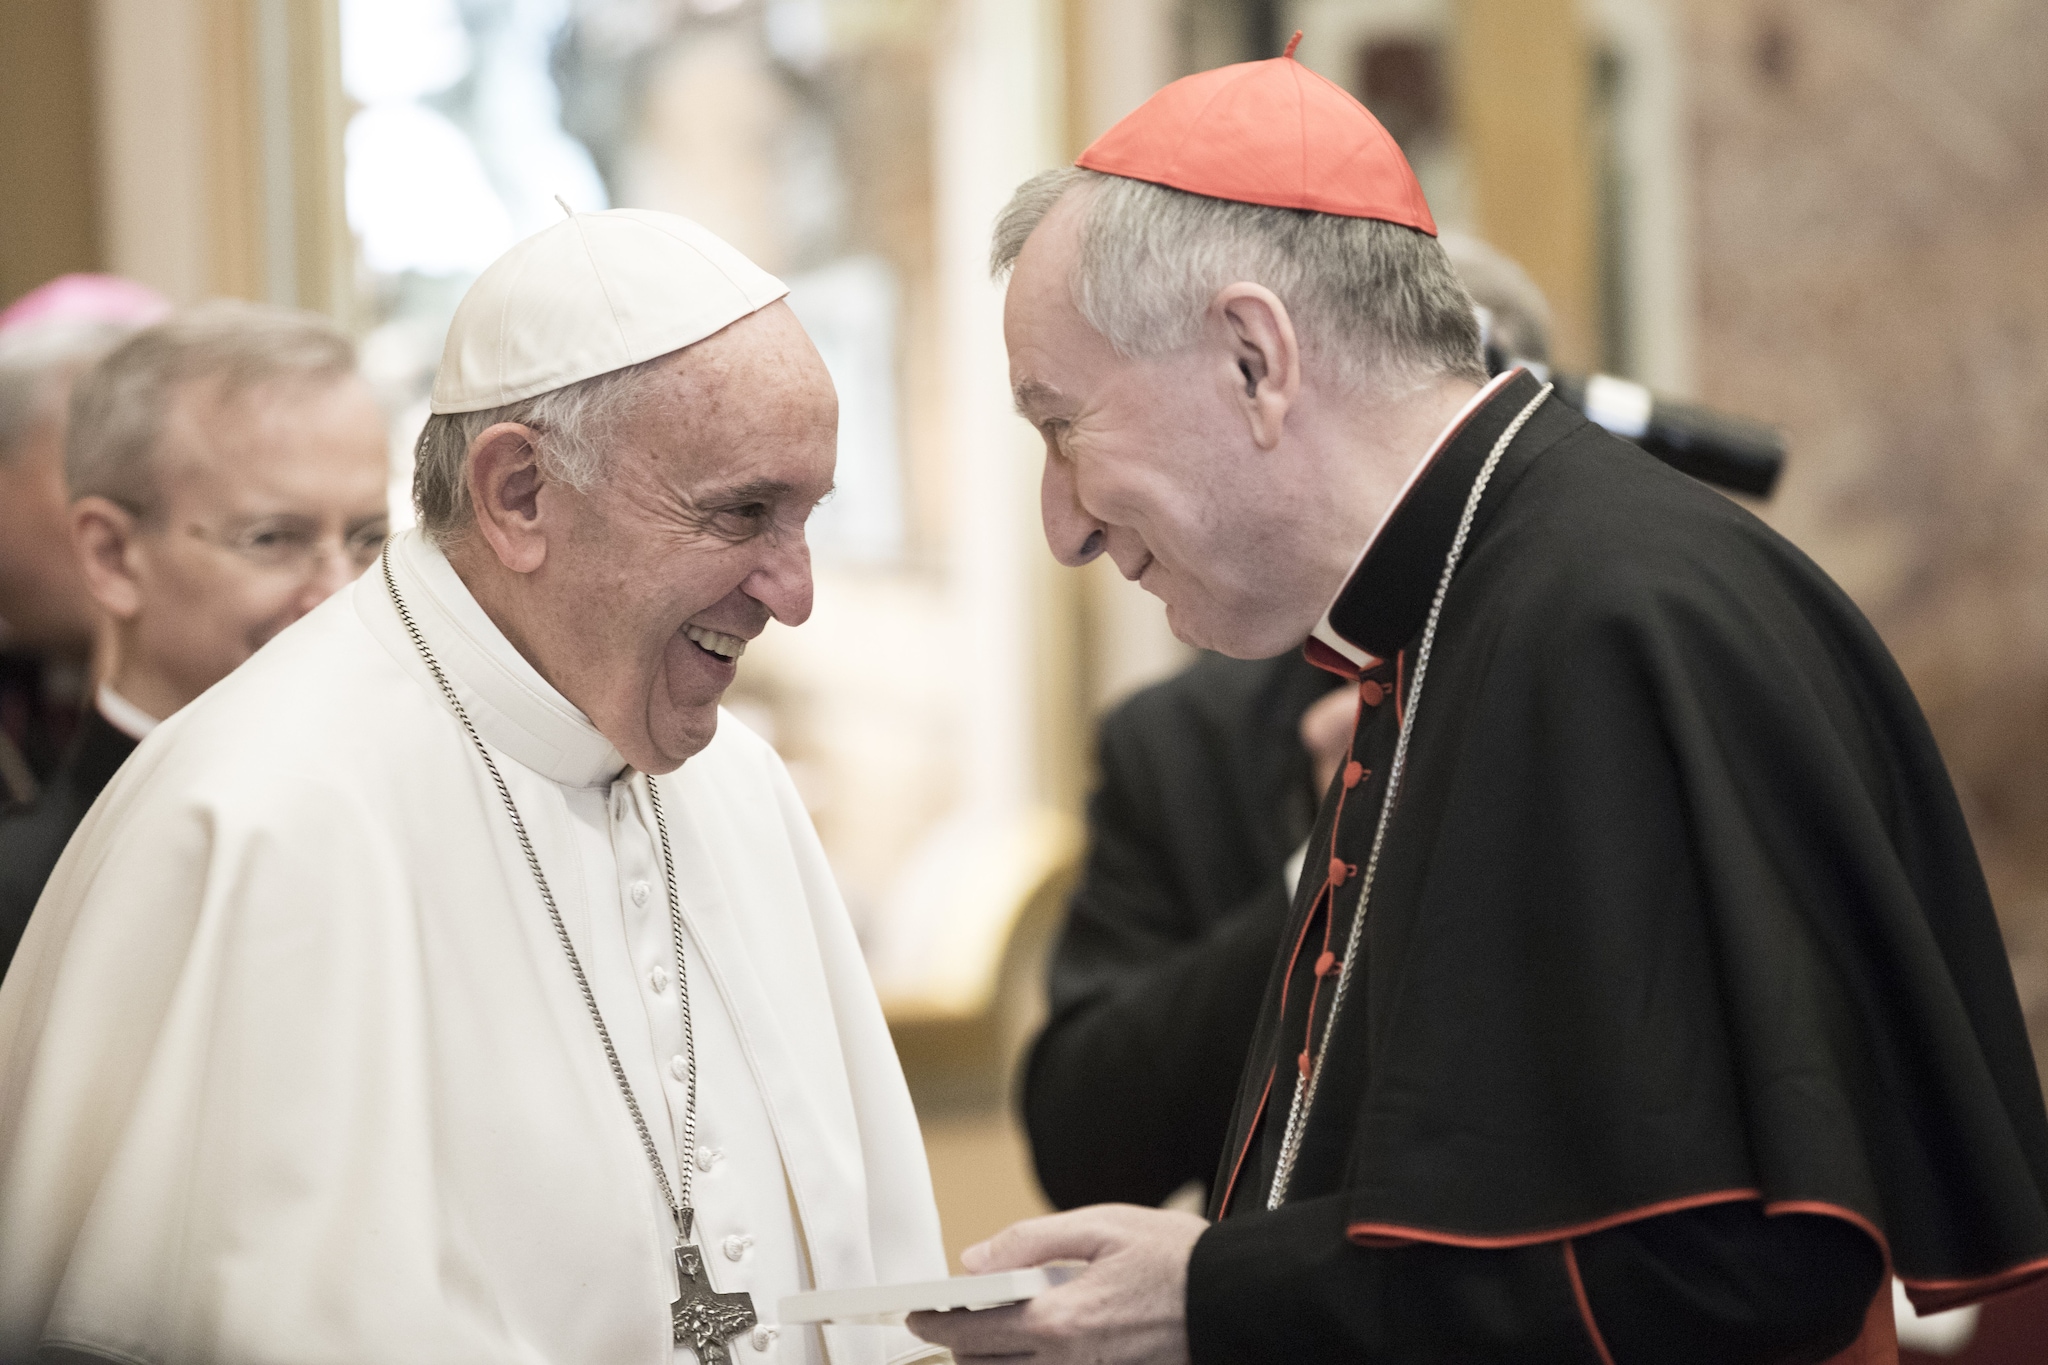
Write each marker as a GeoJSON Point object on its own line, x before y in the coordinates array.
{"type": "Point", "coordinates": [294, 545]}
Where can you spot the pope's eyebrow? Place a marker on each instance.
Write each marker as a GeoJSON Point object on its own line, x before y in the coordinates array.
{"type": "Point", "coordinates": [752, 490]}
{"type": "Point", "coordinates": [756, 490]}
{"type": "Point", "coordinates": [1037, 394]}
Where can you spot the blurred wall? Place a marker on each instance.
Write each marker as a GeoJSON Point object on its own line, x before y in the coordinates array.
{"type": "Point", "coordinates": [190, 144]}
{"type": "Point", "coordinates": [1524, 115]}
{"type": "Point", "coordinates": [152, 125]}
{"type": "Point", "coordinates": [49, 201]}
{"type": "Point", "coordinates": [1871, 210]}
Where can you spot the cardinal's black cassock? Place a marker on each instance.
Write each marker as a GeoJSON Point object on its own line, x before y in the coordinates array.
{"type": "Point", "coordinates": [1679, 1011]}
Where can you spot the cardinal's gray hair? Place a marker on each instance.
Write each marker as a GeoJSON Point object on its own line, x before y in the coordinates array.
{"type": "Point", "coordinates": [575, 426]}
{"type": "Point", "coordinates": [118, 406]}
{"type": "Point", "coordinates": [1378, 300]}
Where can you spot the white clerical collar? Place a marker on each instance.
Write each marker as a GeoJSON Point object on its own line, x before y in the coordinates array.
{"type": "Point", "coordinates": [513, 707]}
{"type": "Point", "coordinates": [1324, 631]}
{"type": "Point", "coordinates": [123, 714]}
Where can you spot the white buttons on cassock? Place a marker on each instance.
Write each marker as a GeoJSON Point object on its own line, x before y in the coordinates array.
{"type": "Point", "coordinates": [764, 1337]}
{"type": "Point", "coordinates": [658, 980]}
{"type": "Point", "coordinates": [640, 890]}
{"type": "Point", "coordinates": [737, 1246]}
{"type": "Point", "coordinates": [679, 1067]}
{"type": "Point", "coordinates": [707, 1157]}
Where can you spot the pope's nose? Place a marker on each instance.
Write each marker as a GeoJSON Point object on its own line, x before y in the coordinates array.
{"type": "Point", "coordinates": [783, 584]}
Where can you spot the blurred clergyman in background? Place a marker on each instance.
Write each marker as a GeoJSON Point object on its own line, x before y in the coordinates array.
{"type": "Point", "coordinates": [48, 338]}
{"type": "Point", "coordinates": [1208, 788]}
{"type": "Point", "coordinates": [226, 470]}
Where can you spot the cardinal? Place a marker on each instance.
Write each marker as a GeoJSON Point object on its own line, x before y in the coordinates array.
{"type": "Point", "coordinates": [1641, 1001]}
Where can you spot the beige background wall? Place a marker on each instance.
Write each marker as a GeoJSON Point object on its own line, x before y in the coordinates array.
{"type": "Point", "coordinates": [49, 194]}
{"type": "Point", "coordinates": [1871, 210]}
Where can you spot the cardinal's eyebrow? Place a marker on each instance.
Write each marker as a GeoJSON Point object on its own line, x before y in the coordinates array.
{"type": "Point", "coordinates": [1035, 395]}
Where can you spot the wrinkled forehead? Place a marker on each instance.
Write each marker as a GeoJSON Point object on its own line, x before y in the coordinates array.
{"type": "Point", "coordinates": [764, 364]}
{"type": "Point", "coordinates": [1042, 277]}
{"type": "Point", "coordinates": [758, 416]}
{"type": "Point", "coordinates": [1042, 323]}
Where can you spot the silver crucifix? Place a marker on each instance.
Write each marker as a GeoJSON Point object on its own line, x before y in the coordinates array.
{"type": "Point", "coordinates": [705, 1320]}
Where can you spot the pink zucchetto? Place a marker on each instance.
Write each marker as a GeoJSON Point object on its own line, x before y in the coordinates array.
{"type": "Point", "coordinates": [86, 299]}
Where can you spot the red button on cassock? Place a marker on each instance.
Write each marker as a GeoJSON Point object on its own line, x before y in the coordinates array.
{"type": "Point", "coordinates": [1325, 963]}
{"type": "Point", "coordinates": [1371, 692]}
{"type": "Point", "coordinates": [1354, 773]}
{"type": "Point", "coordinates": [1339, 870]}
{"type": "Point", "coordinates": [1302, 1061]}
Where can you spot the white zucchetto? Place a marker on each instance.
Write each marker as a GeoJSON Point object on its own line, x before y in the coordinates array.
{"type": "Point", "coordinates": [592, 294]}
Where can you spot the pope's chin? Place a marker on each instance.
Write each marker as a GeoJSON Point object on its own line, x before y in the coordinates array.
{"type": "Point", "coordinates": [682, 713]}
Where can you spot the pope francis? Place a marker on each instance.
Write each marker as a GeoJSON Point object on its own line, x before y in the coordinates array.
{"type": "Point", "coordinates": [453, 982]}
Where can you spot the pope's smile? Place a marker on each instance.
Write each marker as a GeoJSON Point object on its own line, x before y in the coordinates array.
{"type": "Point", "coordinates": [725, 647]}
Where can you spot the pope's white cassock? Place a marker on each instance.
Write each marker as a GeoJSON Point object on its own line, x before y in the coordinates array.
{"type": "Point", "coordinates": [276, 1099]}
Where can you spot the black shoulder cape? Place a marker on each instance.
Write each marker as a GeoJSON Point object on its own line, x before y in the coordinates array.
{"type": "Point", "coordinates": [1676, 908]}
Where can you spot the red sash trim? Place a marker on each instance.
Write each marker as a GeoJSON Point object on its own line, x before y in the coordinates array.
{"type": "Point", "coordinates": [1928, 1295]}
{"type": "Point", "coordinates": [1571, 1268]}
{"type": "Point", "coordinates": [1237, 1169]}
{"type": "Point", "coordinates": [1385, 1234]}
{"type": "Point", "coordinates": [1329, 660]}
{"type": "Point", "coordinates": [1878, 1344]}
{"type": "Point", "coordinates": [1931, 1296]}
{"type": "Point", "coordinates": [1864, 1225]}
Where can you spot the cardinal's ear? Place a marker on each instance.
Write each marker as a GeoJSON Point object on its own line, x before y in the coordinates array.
{"type": "Point", "coordinates": [505, 482]}
{"type": "Point", "coordinates": [1265, 354]}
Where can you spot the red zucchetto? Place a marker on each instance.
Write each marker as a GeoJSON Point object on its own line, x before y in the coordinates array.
{"type": "Point", "coordinates": [1271, 132]}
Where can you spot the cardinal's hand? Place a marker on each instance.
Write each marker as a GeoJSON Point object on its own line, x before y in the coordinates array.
{"type": "Point", "coordinates": [1129, 1307]}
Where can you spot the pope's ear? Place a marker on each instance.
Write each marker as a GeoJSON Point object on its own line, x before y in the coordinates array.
{"type": "Point", "coordinates": [505, 483]}
{"type": "Point", "coordinates": [1265, 356]}
{"type": "Point", "coordinates": [103, 537]}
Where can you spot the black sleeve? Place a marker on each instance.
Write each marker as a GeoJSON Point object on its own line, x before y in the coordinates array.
{"type": "Point", "coordinates": [1128, 1093]}
{"type": "Point", "coordinates": [1729, 1284]}
{"type": "Point", "coordinates": [1722, 1285]}
{"type": "Point", "coordinates": [1155, 981]}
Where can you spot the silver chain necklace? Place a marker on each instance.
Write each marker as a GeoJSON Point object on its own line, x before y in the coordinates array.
{"type": "Point", "coordinates": [1305, 1086]}
{"type": "Point", "coordinates": [700, 1317]}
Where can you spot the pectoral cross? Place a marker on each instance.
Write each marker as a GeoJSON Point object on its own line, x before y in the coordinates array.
{"type": "Point", "coordinates": [705, 1320]}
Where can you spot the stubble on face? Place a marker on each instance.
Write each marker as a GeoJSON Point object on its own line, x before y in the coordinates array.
{"type": "Point", "coordinates": [696, 530]}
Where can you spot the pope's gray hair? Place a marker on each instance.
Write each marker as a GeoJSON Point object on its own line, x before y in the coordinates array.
{"type": "Point", "coordinates": [1378, 300]}
{"type": "Point", "coordinates": [574, 426]}
{"type": "Point", "coordinates": [118, 406]}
